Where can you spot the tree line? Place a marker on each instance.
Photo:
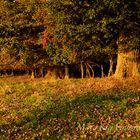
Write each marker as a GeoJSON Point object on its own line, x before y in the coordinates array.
{"type": "Point", "coordinates": [70, 38]}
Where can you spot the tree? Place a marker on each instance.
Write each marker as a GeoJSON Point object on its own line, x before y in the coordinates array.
{"type": "Point", "coordinates": [62, 33]}
{"type": "Point", "coordinates": [72, 19]}
{"type": "Point", "coordinates": [123, 18]}
{"type": "Point", "coordinates": [98, 23]}
{"type": "Point", "coordinates": [8, 46]}
{"type": "Point", "coordinates": [21, 25]}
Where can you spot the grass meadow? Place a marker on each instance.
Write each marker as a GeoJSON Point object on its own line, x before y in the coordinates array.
{"type": "Point", "coordinates": [78, 109]}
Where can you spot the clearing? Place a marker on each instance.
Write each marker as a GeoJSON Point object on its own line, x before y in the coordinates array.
{"type": "Point", "coordinates": [100, 108]}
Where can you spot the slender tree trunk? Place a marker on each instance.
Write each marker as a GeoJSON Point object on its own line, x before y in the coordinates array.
{"type": "Point", "coordinates": [88, 75]}
{"type": "Point", "coordinates": [51, 73]}
{"type": "Point", "coordinates": [91, 70]}
{"type": "Point", "coordinates": [48, 72]}
{"type": "Point", "coordinates": [82, 70]}
{"type": "Point", "coordinates": [66, 72]}
{"type": "Point", "coordinates": [110, 73]}
{"type": "Point", "coordinates": [27, 72]}
{"type": "Point", "coordinates": [61, 72]}
{"type": "Point", "coordinates": [5, 72]}
{"type": "Point", "coordinates": [102, 71]}
{"type": "Point", "coordinates": [12, 72]}
{"type": "Point", "coordinates": [127, 61]}
{"type": "Point", "coordinates": [42, 72]}
{"type": "Point", "coordinates": [54, 73]}
{"type": "Point", "coordinates": [33, 74]}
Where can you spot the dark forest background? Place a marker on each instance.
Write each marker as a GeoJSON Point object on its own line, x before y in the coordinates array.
{"type": "Point", "coordinates": [66, 38]}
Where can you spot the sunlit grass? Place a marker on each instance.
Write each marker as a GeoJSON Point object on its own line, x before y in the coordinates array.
{"type": "Point", "coordinates": [67, 109]}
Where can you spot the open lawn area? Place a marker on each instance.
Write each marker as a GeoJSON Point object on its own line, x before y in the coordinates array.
{"type": "Point", "coordinates": [40, 109]}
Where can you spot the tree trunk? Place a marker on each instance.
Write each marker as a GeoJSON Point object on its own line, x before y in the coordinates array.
{"type": "Point", "coordinates": [60, 72]}
{"type": "Point", "coordinates": [48, 75]}
{"type": "Point", "coordinates": [33, 74]}
{"type": "Point", "coordinates": [91, 70]}
{"type": "Point", "coordinates": [27, 72]}
{"type": "Point", "coordinates": [5, 72]}
{"type": "Point", "coordinates": [127, 65]}
{"type": "Point", "coordinates": [110, 73]}
{"type": "Point", "coordinates": [54, 73]}
{"type": "Point", "coordinates": [51, 73]}
{"type": "Point", "coordinates": [42, 72]}
{"type": "Point", "coordinates": [82, 70]}
{"type": "Point", "coordinates": [102, 71]}
{"type": "Point", "coordinates": [66, 72]}
{"type": "Point", "coordinates": [88, 75]}
{"type": "Point", "coordinates": [12, 72]}
{"type": "Point", "coordinates": [127, 61]}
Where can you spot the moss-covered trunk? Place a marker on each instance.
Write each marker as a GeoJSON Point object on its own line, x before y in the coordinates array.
{"type": "Point", "coordinates": [127, 61]}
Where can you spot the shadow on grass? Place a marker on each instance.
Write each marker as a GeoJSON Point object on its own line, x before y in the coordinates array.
{"type": "Point", "coordinates": [62, 115]}
{"type": "Point", "coordinates": [89, 101]}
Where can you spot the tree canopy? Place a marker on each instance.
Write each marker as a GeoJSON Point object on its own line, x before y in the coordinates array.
{"type": "Point", "coordinates": [84, 33]}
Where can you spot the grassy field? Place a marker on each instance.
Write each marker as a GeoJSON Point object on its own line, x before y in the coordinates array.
{"type": "Point", "coordinates": [41, 109]}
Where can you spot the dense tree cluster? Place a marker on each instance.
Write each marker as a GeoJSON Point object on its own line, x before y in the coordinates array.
{"type": "Point", "coordinates": [70, 38]}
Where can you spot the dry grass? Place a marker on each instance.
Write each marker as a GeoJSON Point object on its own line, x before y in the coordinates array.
{"type": "Point", "coordinates": [97, 84]}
